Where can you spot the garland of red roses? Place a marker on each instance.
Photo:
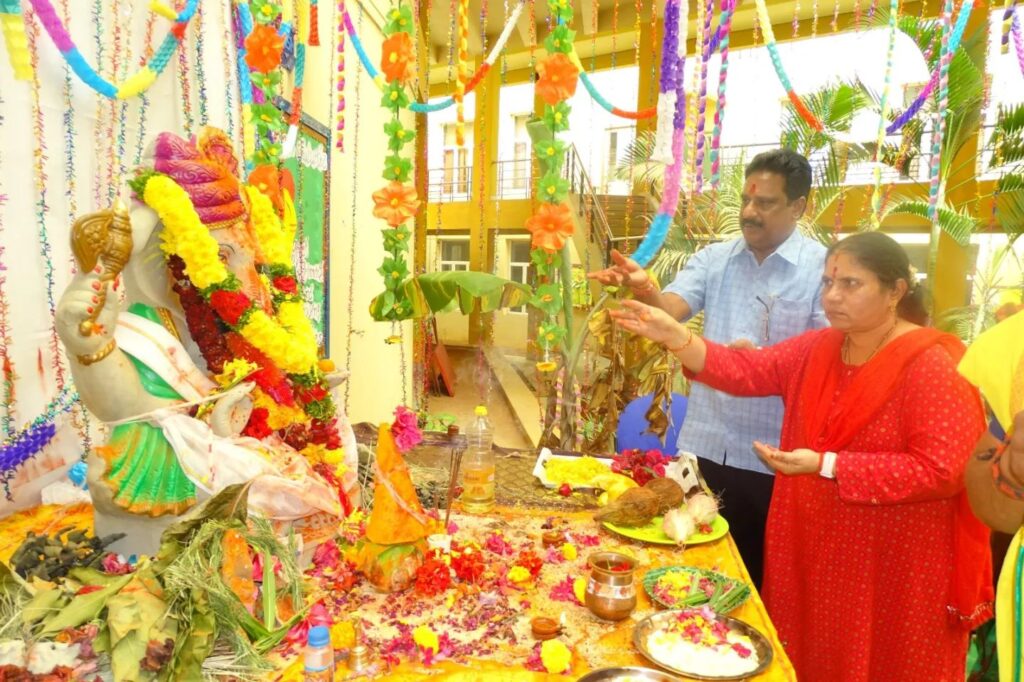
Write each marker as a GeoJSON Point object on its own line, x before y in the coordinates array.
{"type": "Point", "coordinates": [218, 344]}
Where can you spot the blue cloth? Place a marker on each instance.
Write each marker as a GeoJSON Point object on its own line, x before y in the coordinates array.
{"type": "Point", "coordinates": [765, 304]}
{"type": "Point", "coordinates": [633, 424]}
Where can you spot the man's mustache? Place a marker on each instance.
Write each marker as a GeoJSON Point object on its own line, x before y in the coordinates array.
{"type": "Point", "coordinates": [751, 223]}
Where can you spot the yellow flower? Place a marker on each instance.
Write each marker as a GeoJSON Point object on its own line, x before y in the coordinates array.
{"type": "Point", "coordinates": [579, 589]}
{"type": "Point", "coordinates": [555, 656]}
{"type": "Point", "coordinates": [336, 456]}
{"type": "Point", "coordinates": [272, 236]}
{"type": "Point", "coordinates": [569, 552]}
{"type": "Point", "coordinates": [278, 416]}
{"type": "Point", "coordinates": [426, 638]}
{"type": "Point", "coordinates": [518, 574]}
{"type": "Point", "coordinates": [547, 366]}
{"type": "Point", "coordinates": [235, 371]}
{"type": "Point", "coordinates": [343, 636]}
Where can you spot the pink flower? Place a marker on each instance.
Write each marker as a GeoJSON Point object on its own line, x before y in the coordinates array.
{"type": "Point", "coordinates": [317, 616]}
{"type": "Point", "coordinates": [564, 591]}
{"type": "Point", "coordinates": [113, 564]}
{"type": "Point", "coordinates": [497, 544]}
{"type": "Point", "coordinates": [406, 429]}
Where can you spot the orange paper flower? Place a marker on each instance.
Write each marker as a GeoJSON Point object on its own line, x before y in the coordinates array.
{"type": "Point", "coordinates": [558, 76]}
{"type": "Point", "coordinates": [396, 57]}
{"type": "Point", "coordinates": [266, 179]}
{"type": "Point", "coordinates": [263, 49]}
{"type": "Point", "coordinates": [395, 203]}
{"type": "Point", "coordinates": [551, 226]}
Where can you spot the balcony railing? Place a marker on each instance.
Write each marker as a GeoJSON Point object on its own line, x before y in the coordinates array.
{"type": "Point", "coordinates": [446, 185]}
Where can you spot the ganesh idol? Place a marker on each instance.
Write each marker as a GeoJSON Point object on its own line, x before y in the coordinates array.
{"type": "Point", "coordinates": [208, 373]}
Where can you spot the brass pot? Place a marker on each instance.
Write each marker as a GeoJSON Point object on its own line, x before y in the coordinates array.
{"type": "Point", "coordinates": [611, 593]}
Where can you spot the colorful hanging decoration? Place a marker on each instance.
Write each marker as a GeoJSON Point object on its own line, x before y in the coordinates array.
{"type": "Point", "coordinates": [551, 226]}
{"type": "Point", "coordinates": [14, 37]}
{"type": "Point", "coordinates": [769, 40]}
{"type": "Point", "coordinates": [396, 202]}
{"type": "Point", "coordinates": [725, 26]}
{"type": "Point", "coordinates": [702, 95]}
{"type": "Point", "coordinates": [1008, 16]}
{"type": "Point", "coordinates": [19, 447]}
{"type": "Point", "coordinates": [922, 97]}
{"type": "Point", "coordinates": [339, 136]}
{"type": "Point", "coordinates": [945, 58]}
{"type": "Point", "coordinates": [462, 26]}
{"type": "Point", "coordinates": [669, 137]}
{"type": "Point", "coordinates": [1018, 42]}
{"type": "Point", "coordinates": [474, 80]}
{"type": "Point", "coordinates": [138, 82]}
{"type": "Point", "coordinates": [885, 107]}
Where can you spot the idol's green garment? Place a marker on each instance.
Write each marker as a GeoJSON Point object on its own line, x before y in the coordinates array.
{"type": "Point", "coordinates": [142, 470]}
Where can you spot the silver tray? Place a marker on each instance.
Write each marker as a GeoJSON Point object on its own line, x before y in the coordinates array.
{"type": "Point", "coordinates": [654, 622]}
{"type": "Point", "coordinates": [612, 674]}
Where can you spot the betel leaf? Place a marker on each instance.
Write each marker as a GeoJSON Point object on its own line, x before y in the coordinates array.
{"type": "Point", "coordinates": [45, 603]}
{"type": "Point", "coordinates": [82, 608]}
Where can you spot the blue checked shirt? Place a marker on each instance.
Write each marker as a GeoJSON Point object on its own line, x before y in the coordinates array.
{"type": "Point", "coordinates": [765, 304]}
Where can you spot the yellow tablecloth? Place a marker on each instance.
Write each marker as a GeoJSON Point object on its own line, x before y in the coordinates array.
{"type": "Point", "coordinates": [617, 645]}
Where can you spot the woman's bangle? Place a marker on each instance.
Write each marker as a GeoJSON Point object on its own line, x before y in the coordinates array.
{"type": "Point", "coordinates": [684, 346]}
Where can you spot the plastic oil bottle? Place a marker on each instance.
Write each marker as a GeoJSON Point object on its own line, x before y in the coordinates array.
{"type": "Point", "coordinates": [478, 465]}
{"type": "Point", "coordinates": [318, 656]}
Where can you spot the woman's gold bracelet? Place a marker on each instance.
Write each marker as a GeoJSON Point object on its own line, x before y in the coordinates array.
{"type": "Point", "coordinates": [93, 358]}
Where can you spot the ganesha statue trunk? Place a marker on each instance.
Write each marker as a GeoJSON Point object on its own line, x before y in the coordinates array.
{"type": "Point", "coordinates": [208, 373]}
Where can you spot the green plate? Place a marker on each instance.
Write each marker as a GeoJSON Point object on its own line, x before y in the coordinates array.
{"type": "Point", "coordinates": [729, 593]}
{"type": "Point", "coordinates": [653, 533]}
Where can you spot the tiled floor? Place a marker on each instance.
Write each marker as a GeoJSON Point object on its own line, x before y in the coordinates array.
{"type": "Point", "coordinates": [473, 377]}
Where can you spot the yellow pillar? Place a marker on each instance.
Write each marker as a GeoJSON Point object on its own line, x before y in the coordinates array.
{"type": "Point", "coordinates": [650, 69]}
{"type": "Point", "coordinates": [951, 288]}
{"type": "Point", "coordinates": [485, 175]}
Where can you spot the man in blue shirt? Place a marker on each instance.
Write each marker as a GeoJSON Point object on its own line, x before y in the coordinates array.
{"type": "Point", "coordinates": [754, 291]}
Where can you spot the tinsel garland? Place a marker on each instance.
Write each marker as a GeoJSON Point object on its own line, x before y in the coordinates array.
{"type": "Point", "coordinates": [702, 103]}
{"type": "Point", "coordinates": [185, 83]}
{"type": "Point", "coordinates": [1018, 43]}
{"type": "Point", "coordinates": [42, 208]}
{"type": "Point", "coordinates": [201, 68]}
{"type": "Point", "coordinates": [112, 109]}
{"type": "Point", "coordinates": [945, 58]}
{"type": "Point", "coordinates": [139, 81]}
{"type": "Point", "coordinates": [6, 364]}
{"type": "Point", "coordinates": [147, 53]}
{"type": "Point", "coordinates": [773, 51]}
{"type": "Point", "coordinates": [353, 226]}
{"type": "Point", "coordinates": [462, 21]}
{"type": "Point", "coordinates": [876, 194]}
{"type": "Point", "coordinates": [20, 447]}
{"type": "Point", "coordinates": [926, 92]}
{"type": "Point", "coordinates": [725, 26]}
{"type": "Point", "coordinates": [339, 141]}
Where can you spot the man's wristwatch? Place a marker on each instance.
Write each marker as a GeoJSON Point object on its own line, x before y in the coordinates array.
{"type": "Point", "coordinates": [828, 465]}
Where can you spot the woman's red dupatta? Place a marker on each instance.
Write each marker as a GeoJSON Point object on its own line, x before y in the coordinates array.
{"type": "Point", "coordinates": [831, 422]}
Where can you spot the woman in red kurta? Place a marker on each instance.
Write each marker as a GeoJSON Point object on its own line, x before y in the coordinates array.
{"type": "Point", "coordinates": [875, 567]}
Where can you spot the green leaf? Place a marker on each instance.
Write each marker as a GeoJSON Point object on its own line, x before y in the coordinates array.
{"type": "Point", "coordinates": [556, 118]}
{"type": "Point", "coordinates": [135, 616]}
{"type": "Point", "coordinates": [269, 592]}
{"type": "Point", "coordinates": [82, 608]}
{"type": "Point", "coordinates": [268, 117]}
{"type": "Point", "coordinates": [396, 168]}
{"type": "Point", "coordinates": [546, 262]}
{"type": "Point", "coordinates": [90, 576]}
{"type": "Point", "coordinates": [264, 12]}
{"type": "Point", "coordinates": [399, 20]}
{"type": "Point", "coordinates": [398, 135]}
{"type": "Point", "coordinates": [231, 503]}
{"type": "Point", "coordinates": [394, 96]}
{"type": "Point", "coordinates": [549, 335]}
{"type": "Point", "coordinates": [548, 298]}
{"type": "Point", "coordinates": [560, 40]}
{"type": "Point", "coordinates": [196, 644]}
{"type": "Point", "coordinates": [958, 224]}
{"type": "Point", "coordinates": [393, 270]}
{"type": "Point", "coordinates": [468, 291]}
{"type": "Point", "coordinates": [396, 239]}
{"type": "Point", "coordinates": [44, 604]}
{"type": "Point", "coordinates": [553, 188]}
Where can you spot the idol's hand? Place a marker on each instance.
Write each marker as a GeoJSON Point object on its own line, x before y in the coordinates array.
{"type": "Point", "coordinates": [624, 272]}
{"type": "Point", "coordinates": [651, 323]}
{"type": "Point", "coordinates": [232, 410]}
{"type": "Point", "coordinates": [78, 304]}
{"type": "Point", "coordinates": [800, 461]}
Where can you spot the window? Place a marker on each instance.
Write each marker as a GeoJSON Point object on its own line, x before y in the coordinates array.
{"type": "Point", "coordinates": [618, 141]}
{"type": "Point", "coordinates": [454, 255]}
{"type": "Point", "coordinates": [456, 161]}
{"type": "Point", "coordinates": [519, 265]}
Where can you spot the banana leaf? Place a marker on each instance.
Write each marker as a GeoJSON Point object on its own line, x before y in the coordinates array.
{"type": "Point", "coordinates": [82, 608]}
{"type": "Point", "coordinates": [438, 292]}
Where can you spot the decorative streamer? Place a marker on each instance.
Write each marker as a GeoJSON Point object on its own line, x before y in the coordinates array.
{"type": "Point", "coordinates": [692, 105]}
{"type": "Point", "coordinates": [184, 80]}
{"type": "Point", "coordinates": [796, 19]}
{"type": "Point", "coordinates": [698, 177]}
{"type": "Point", "coordinates": [140, 143]}
{"type": "Point", "coordinates": [136, 83]}
{"type": "Point", "coordinates": [201, 68]}
{"type": "Point", "coordinates": [6, 364]}
{"type": "Point", "coordinates": [773, 51]}
{"type": "Point", "coordinates": [876, 194]}
{"type": "Point", "coordinates": [99, 137]}
{"type": "Point", "coordinates": [314, 24]}
{"type": "Point", "coordinates": [922, 97]}
{"type": "Point", "coordinates": [1018, 43]}
{"type": "Point", "coordinates": [13, 25]}
{"type": "Point", "coordinates": [18, 448]}
{"type": "Point", "coordinates": [716, 135]}
{"type": "Point", "coordinates": [1008, 16]}
{"type": "Point", "coordinates": [671, 88]}
{"type": "Point", "coordinates": [463, 72]}
{"type": "Point", "coordinates": [350, 330]}
{"type": "Point", "coordinates": [112, 104]}
{"type": "Point", "coordinates": [228, 60]}
{"type": "Point", "coordinates": [42, 208]}
{"type": "Point", "coordinates": [243, 27]}
{"type": "Point", "coordinates": [945, 57]}
{"type": "Point", "coordinates": [340, 86]}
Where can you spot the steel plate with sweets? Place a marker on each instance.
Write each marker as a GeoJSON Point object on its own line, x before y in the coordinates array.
{"type": "Point", "coordinates": [701, 644]}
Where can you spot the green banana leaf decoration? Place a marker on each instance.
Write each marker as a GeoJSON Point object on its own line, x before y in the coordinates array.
{"type": "Point", "coordinates": [469, 292]}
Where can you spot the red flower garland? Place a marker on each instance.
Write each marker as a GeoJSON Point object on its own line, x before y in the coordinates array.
{"type": "Point", "coordinates": [230, 305]}
{"type": "Point", "coordinates": [468, 563]}
{"type": "Point", "coordinates": [433, 576]}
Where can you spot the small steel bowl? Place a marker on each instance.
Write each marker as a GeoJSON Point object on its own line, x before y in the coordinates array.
{"type": "Point", "coordinates": [631, 673]}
